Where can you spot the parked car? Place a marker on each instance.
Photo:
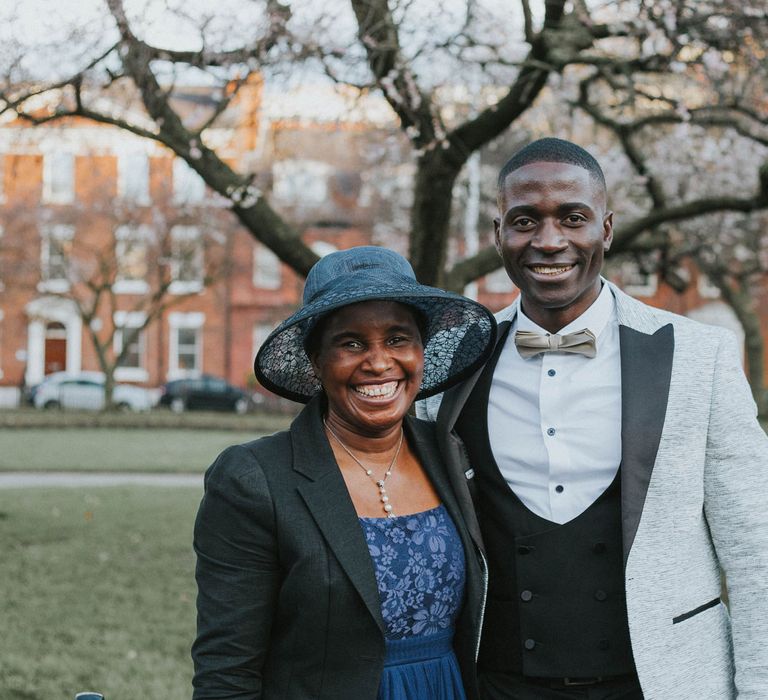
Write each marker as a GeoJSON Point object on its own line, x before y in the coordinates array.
{"type": "Point", "coordinates": [206, 392]}
{"type": "Point", "coordinates": [85, 390]}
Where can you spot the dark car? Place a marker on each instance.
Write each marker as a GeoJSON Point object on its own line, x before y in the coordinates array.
{"type": "Point", "coordinates": [206, 392]}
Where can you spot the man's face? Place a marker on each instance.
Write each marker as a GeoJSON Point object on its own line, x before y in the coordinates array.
{"type": "Point", "coordinates": [552, 234]}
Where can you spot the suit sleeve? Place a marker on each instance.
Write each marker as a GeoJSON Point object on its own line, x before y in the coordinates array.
{"type": "Point", "coordinates": [237, 578]}
{"type": "Point", "coordinates": [736, 493]}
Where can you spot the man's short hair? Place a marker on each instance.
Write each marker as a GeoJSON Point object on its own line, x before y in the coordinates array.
{"type": "Point", "coordinates": [552, 150]}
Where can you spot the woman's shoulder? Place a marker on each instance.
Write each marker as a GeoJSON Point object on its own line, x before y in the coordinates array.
{"type": "Point", "coordinates": [253, 459]}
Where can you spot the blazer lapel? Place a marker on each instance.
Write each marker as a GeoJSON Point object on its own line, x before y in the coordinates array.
{"type": "Point", "coordinates": [646, 368]}
{"type": "Point", "coordinates": [327, 498]}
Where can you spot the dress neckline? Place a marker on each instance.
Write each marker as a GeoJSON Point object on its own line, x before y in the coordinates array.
{"type": "Point", "coordinates": [420, 513]}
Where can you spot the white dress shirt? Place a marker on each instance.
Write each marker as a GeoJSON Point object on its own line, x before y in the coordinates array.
{"type": "Point", "coordinates": [554, 420]}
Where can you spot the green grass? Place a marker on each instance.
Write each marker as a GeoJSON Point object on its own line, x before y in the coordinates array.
{"type": "Point", "coordinates": [97, 593]}
{"type": "Point", "coordinates": [114, 449]}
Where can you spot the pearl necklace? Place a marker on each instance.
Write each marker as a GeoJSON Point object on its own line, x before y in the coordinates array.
{"type": "Point", "coordinates": [381, 483]}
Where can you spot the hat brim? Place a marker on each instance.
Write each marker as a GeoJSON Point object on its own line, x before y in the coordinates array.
{"type": "Point", "coordinates": [459, 338]}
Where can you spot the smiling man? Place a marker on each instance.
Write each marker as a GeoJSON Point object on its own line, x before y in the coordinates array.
{"type": "Point", "coordinates": [616, 467]}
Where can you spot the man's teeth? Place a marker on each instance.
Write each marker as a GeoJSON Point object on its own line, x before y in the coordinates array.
{"type": "Point", "coordinates": [546, 270]}
{"type": "Point", "coordinates": [378, 390]}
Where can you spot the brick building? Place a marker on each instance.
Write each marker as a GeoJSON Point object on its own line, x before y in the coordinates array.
{"type": "Point", "coordinates": [76, 198]}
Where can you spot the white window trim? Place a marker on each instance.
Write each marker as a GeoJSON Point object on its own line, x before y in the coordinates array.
{"type": "Point", "coordinates": [186, 286]}
{"type": "Point", "coordinates": [195, 190]}
{"type": "Point", "coordinates": [129, 319]}
{"type": "Point", "coordinates": [123, 160]}
{"type": "Point", "coordinates": [49, 196]}
{"type": "Point", "coordinates": [56, 285]}
{"type": "Point", "coordinates": [177, 320]}
{"type": "Point", "coordinates": [257, 279]}
{"type": "Point", "coordinates": [644, 290]}
{"type": "Point", "coordinates": [128, 286]}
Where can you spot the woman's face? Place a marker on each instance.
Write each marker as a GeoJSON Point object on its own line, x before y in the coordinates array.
{"type": "Point", "coordinates": [370, 359]}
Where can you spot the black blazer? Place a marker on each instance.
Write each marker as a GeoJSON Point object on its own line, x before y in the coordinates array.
{"type": "Point", "coordinates": [288, 605]}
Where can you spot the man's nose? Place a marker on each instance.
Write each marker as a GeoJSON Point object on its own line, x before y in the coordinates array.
{"type": "Point", "coordinates": [549, 237]}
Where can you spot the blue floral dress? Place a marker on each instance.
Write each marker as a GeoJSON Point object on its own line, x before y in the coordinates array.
{"type": "Point", "coordinates": [419, 563]}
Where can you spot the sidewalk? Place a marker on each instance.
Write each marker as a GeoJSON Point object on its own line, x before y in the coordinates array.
{"type": "Point", "coordinates": [11, 480]}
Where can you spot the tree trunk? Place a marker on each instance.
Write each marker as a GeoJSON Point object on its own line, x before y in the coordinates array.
{"type": "Point", "coordinates": [431, 218]}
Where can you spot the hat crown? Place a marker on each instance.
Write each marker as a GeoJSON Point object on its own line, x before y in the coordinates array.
{"type": "Point", "coordinates": [341, 263]}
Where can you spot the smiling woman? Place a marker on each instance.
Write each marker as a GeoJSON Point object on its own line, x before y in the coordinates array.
{"type": "Point", "coordinates": [335, 560]}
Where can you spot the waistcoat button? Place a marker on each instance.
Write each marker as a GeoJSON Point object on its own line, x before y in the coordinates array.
{"type": "Point", "coordinates": [530, 644]}
{"type": "Point", "coordinates": [600, 595]}
{"type": "Point", "coordinates": [526, 596]}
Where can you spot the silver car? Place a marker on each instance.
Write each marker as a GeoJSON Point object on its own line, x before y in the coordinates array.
{"type": "Point", "coordinates": [85, 391]}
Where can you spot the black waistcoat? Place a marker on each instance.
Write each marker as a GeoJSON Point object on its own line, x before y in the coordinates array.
{"type": "Point", "coordinates": [556, 602]}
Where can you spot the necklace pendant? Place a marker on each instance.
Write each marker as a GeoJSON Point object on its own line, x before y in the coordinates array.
{"type": "Point", "coordinates": [387, 508]}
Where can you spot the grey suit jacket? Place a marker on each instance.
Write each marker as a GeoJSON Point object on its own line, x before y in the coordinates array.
{"type": "Point", "coordinates": [694, 499]}
{"type": "Point", "coordinates": [288, 605]}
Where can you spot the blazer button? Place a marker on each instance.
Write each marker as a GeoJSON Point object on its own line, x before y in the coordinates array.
{"type": "Point", "coordinates": [526, 596]}
{"type": "Point", "coordinates": [529, 644]}
{"type": "Point", "coordinates": [599, 548]}
{"type": "Point", "coordinates": [600, 595]}
{"type": "Point", "coordinates": [603, 645]}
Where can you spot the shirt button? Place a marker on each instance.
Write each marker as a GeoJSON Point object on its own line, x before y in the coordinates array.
{"type": "Point", "coordinates": [529, 644]}
{"type": "Point", "coordinates": [550, 431]}
{"type": "Point", "coordinates": [551, 373]}
{"type": "Point", "coordinates": [526, 596]}
{"type": "Point", "coordinates": [559, 488]}
{"type": "Point", "coordinates": [600, 595]}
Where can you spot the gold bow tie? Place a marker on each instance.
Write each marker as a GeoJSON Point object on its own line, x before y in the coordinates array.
{"type": "Point", "coordinates": [581, 342]}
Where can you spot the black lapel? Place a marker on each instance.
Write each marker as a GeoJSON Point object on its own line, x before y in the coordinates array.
{"type": "Point", "coordinates": [327, 498]}
{"type": "Point", "coordinates": [422, 439]}
{"type": "Point", "coordinates": [646, 368]}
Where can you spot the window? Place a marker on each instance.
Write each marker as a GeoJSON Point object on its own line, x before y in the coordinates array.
{"type": "Point", "coordinates": [133, 177]}
{"type": "Point", "coordinates": [55, 250]}
{"type": "Point", "coordinates": [637, 282]}
{"type": "Point", "coordinates": [498, 282]}
{"type": "Point", "coordinates": [188, 186]}
{"type": "Point", "coordinates": [131, 258]}
{"type": "Point", "coordinates": [131, 367]}
{"type": "Point", "coordinates": [185, 344]}
{"type": "Point", "coordinates": [301, 181]}
{"type": "Point", "coordinates": [58, 178]}
{"type": "Point", "coordinates": [267, 273]}
{"type": "Point", "coordinates": [706, 288]}
{"type": "Point", "coordinates": [187, 260]}
{"type": "Point", "coordinates": [260, 333]}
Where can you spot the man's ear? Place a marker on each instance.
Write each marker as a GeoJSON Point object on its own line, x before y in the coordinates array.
{"type": "Point", "coordinates": [607, 231]}
{"type": "Point", "coordinates": [497, 234]}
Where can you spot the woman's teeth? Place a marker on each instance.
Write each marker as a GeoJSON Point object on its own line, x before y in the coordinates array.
{"type": "Point", "coordinates": [378, 390]}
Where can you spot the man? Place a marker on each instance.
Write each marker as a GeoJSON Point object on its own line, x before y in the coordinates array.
{"type": "Point", "coordinates": [616, 466]}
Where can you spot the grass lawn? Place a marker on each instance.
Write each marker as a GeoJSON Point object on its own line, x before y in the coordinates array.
{"type": "Point", "coordinates": [114, 449]}
{"type": "Point", "coordinates": [97, 592]}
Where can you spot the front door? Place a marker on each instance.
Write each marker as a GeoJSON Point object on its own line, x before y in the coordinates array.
{"type": "Point", "coordinates": [55, 347]}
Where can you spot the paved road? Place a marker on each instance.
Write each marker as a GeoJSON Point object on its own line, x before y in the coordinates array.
{"type": "Point", "coordinates": [10, 480]}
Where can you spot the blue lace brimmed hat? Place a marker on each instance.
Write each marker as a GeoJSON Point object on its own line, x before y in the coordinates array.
{"type": "Point", "coordinates": [459, 332]}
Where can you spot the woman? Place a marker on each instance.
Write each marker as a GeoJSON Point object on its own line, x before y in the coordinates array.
{"type": "Point", "coordinates": [333, 559]}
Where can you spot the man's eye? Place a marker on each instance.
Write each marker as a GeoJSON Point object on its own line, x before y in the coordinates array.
{"type": "Point", "coordinates": [523, 222]}
{"type": "Point", "coordinates": [575, 219]}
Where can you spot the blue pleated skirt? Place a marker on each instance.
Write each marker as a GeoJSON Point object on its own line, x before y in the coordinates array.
{"type": "Point", "coordinates": [421, 668]}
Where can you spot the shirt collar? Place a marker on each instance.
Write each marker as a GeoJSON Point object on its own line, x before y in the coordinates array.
{"type": "Point", "coordinates": [595, 318]}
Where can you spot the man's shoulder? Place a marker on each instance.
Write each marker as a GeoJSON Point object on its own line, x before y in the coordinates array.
{"type": "Point", "coordinates": [643, 317]}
